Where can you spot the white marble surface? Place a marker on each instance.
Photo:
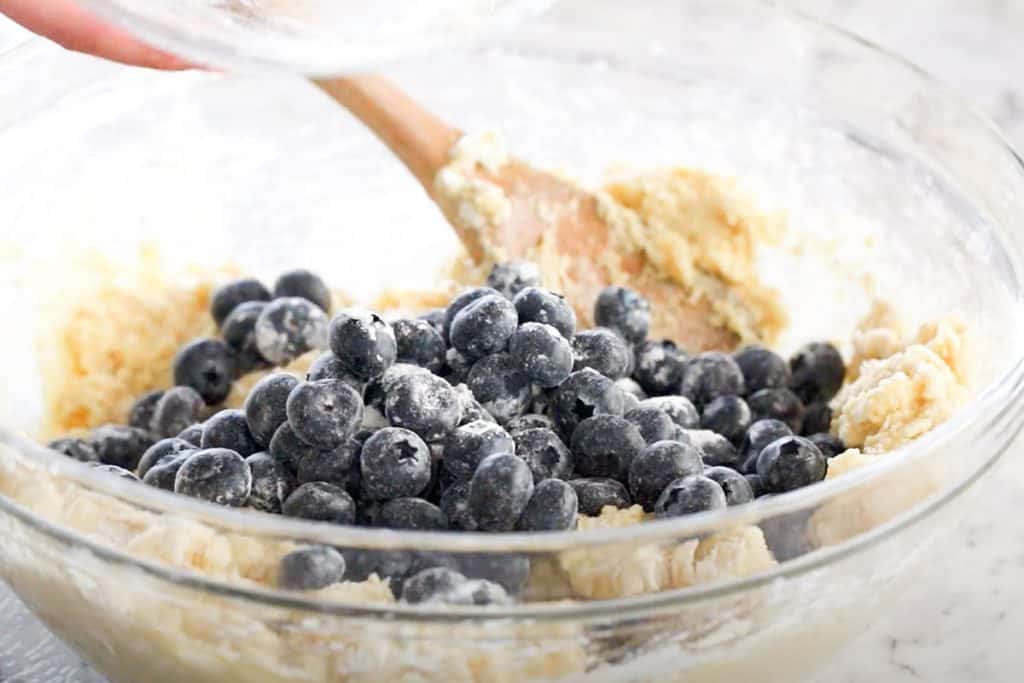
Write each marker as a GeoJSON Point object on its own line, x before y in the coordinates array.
{"type": "Point", "coordinates": [961, 619]}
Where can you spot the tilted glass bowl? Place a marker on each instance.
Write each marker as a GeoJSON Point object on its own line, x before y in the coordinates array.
{"type": "Point", "coordinates": [917, 196]}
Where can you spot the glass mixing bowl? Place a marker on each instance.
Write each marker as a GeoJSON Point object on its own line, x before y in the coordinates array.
{"type": "Point", "coordinates": [893, 187]}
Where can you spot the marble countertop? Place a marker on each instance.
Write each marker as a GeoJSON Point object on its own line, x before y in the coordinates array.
{"type": "Point", "coordinates": [959, 621]}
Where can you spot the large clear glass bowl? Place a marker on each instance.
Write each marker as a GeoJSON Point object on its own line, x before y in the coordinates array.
{"type": "Point", "coordinates": [893, 185]}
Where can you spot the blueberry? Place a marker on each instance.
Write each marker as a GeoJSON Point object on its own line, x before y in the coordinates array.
{"type": "Point", "coordinates": [790, 463]}
{"type": "Point", "coordinates": [192, 434]}
{"type": "Point", "coordinates": [715, 449]}
{"type": "Point", "coordinates": [265, 406]}
{"type": "Point", "coordinates": [324, 414]}
{"type": "Point", "coordinates": [419, 343]}
{"type": "Point", "coordinates": [414, 514]}
{"type": "Point", "coordinates": [272, 483]}
{"type": "Point", "coordinates": [120, 446]}
{"type": "Point", "coordinates": [311, 568]}
{"type": "Point", "coordinates": [321, 502]}
{"type": "Point", "coordinates": [141, 413]}
{"type": "Point", "coordinates": [207, 365]}
{"type": "Point", "coordinates": [116, 471]}
{"type": "Point", "coordinates": [535, 305]}
{"type": "Point", "coordinates": [239, 332]}
{"type": "Point", "coordinates": [430, 585]}
{"type": "Point", "coordinates": [288, 328]}
{"type": "Point", "coordinates": [659, 465]}
{"type": "Point", "coordinates": [817, 419]}
{"type": "Point", "coordinates": [226, 297]}
{"type": "Point", "coordinates": [229, 429]}
{"type": "Point", "coordinates": [327, 366]}
{"type": "Point", "coordinates": [817, 372]}
{"type": "Point", "coordinates": [654, 424]}
{"type": "Point", "coordinates": [160, 451]}
{"type": "Point", "coordinates": [529, 421]}
{"type": "Point", "coordinates": [456, 366]}
{"type": "Point", "coordinates": [460, 302]}
{"type": "Point", "coordinates": [760, 434]}
{"type": "Point", "coordinates": [605, 446]}
{"type": "Point", "coordinates": [499, 491]}
{"type": "Point", "coordinates": [552, 507]}
{"type": "Point", "coordinates": [389, 379]}
{"type": "Point", "coordinates": [425, 404]}
{"type": "Point", "coordinates": [544, 452]}
{"type": "Point", "coordinates": [778, 404]}
{"type": "Point", "coordinates": [679, 408]}
{"type": "Point", "coordinates": [305, 285]}
{"type": "Point", "coordinates": [501, 386]}
{"type": "Point", "coordinates": [829, 445]}
{"type": "Point", "coordinates": [602, 350]}
{"type": "Point", "coordinates": [435, 317]}
{"type": "Point", "coordinates": [467, 446]}
{"type": "Point", "coordinates": [395, 463]}
{"type": "Point", "coordinates": [756, 484]}
{"type": "Point", "coordinates": [363, 342]}
{"type": "Point", "coordinates": [735, 486]}
{"type": "Point", "coordinates": [511, 572]}
{"type": "Point", "coordinates": [471, 408]}
{"type": "Point", "coordinates": [708, 376]}
{"type": "Point", "coordinates": [595, 494]}
{"type": "Point", "coordinates": [625, 311]}
{"type": "Point", "coordinates": [215, 475]}
{"type": "Point", "coordinates": [76, 449]}
{"type": "Point", "coordinates": [164, 473]}
{"type": "Point", "coordinates": [336, 466]}
{"type": "Point", "coordinates": [762, 369]}
{"type": "Point", "coordinates": [729, 416]}
{"type": "Point", "coordinates": [484, 326]}
{"type": "Point", "coordinates": [177, 409]}
{"type": "Point", "coordinates": [690, 495]}
{"type": "Point", "coordinates": [475, 593]}
{"type": "Point", "coordinates": [632, 388]}
{"type": "Point", "coordinates": [542, 353]}
{"type": "Point", "coordinates": [658, 367]}
{"type": "Point", "coordinates": [455, 506]}
{"type": "Point", "coordinates": [586, 393]}
{"type": "Point", "coordinates": [288, 449]}
{"type": "Point", "coordinates": [512, 277]}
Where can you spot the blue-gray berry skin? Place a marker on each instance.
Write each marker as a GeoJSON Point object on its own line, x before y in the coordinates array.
{"type": "Point", "coordinates": [390, 378]}
{"type": "Point", "coordinates": [779, 404]}
{"type": "Point", "coordinates": [119, 445]}
{"type": "Point", "coordinates": [529, 421]}
{"type": "Point", "coordinates": [327, 366]}
{"type": "Point", "coordinates": [545, 453]}
{"type": "Point", "coordinates": [288, 328]}
{"type": "Point", "coordinates": [499, 491]}
{"type": "Point", "coordinates": [735, 486]}
{"type": "Point", "coordinates": [76, 449]}
{"type": "Point", "coordinates": [462, 300]}
{"type": "Point", "coordinates": [435, 318]}
{"type": "Point", "coordinates": [428, 584]}
{"type": "Point", "coordinates": [659, 465]}
{"type": "Point", "coordinates": [762, 368]}
{"type": "Point", "coordinates": [363, 342]}
{"type": "Point", "coordinates": [239, 332]}
{"type": "Point", "coordinates": [715, 449]}
{"type": "Point", "coordinates": [165, 449]}
{"type": "Point", "coordinates": [425, 404]}
{"type": "Point", "coordinates": [164, 473]}
{"type": "Point", "coordinates": [584, 394]}
{"type": "Point", "coordinates": [456, 366]}
{"type": "Point", "coordinates": [229, 429]}
{"type": "Point", "coordinates": [511, 572]}
{"type": "Point", "coordinates": [474, 593]}
{"type": "Point", "coordinates": [215, 475]}
{"type": "Point", "coordinates": [192, 434]}
{"type": "Point", "coordinates": [760, 434]}
{"type": "Point", "coordinates": [141, 413]}
{"type": "Point", "coordinates": [209, 366]}
{"type": "Point", "coordinates": [419, 343]}
{"type": "Point", "coordinates": [679, 408]}
{"type": "Point", "coordinates": [484, 326]}
{"type": "Point", "coordinates": [472, 410]}
{"type": "Point", "coordinates": [595, 494]}
{"type": "Point", "coordinates": [501, 386]}
{"type": "Point", "coordinates": [658, 366]}
{"type": "Point", "coordinates": [321, 502]}
{"type": "Point", "coordinates": [272, 483]}
{"type": "Point", "coordinates": [230, 295]}
{"type": "Point", "coordinates": [288, 449]}
{"type": "Point", "coordinates": [756, 484]}
{"type": "Point", "coordinates": [512, 277]}
{"type": "Point", "coordinates": [709, 375]}
{"type": "Point", "coordinates": [535, 305]}
{"type": "Point", "coordinates": [305, 285]}
{"type": "Point", "coordinates": [339, 466]}
{"type": "Point", "coordinates": [817, 419]}
{"type": "Point", "coordinates": [116, 471]}
{"type": "Point", "coordinates": [177, 409]}
{"type": "Point", "coordinates": [654, 424]}
{"type": "Point", "coordinates": [413, 514]}
{"type": "Point", "coordinates": [603, 350]}
{"type": "Point", "coordinates": [311, 568]}
{"type": "Point", "coordinates": [690, 495]}
{"type": "Point", "coordinates": [817, 372]}
{"type": "Point", "coordinates": [542, 353]}
{"type": "Point", "coordinates": [605, 446]}
{"type": "Point", "coordinates": [389, 564]}
{"type": "Point", "coordinates": [790, 463]}
{"type": "Point", "coordinates": [623, 310]}
{"type": "Point", "coordinates": [729, 416]}
{"type": "Point", "coordinates": [552, 507]}
{"type": "Point", "coordinates": [467, 446]}
{"type": "Point", "coordinates": [265, 409]}
{"type": "Point", "coordinates": [455, 506]}
{"type": "Point", "coordinates": [632, 389]}
{"type": "Point", "coordinates": [829, 445]}
{"type": "Point", "coordinates": [395, 463]}
{"type": "Point", "coordinates": [324, 414]}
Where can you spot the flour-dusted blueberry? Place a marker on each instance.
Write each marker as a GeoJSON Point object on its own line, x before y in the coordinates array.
{"type": "Point", "coordinates": [209, 366]}
{"type": "Point", "coordinates": [817, 419]}
{"type": "Point", "coordinates": [659, 465]}
{"type": "Point", "coordinates": [709, 375]}
{"type": "Point", "coordinates": [324, 414]}
{"type": "Point", "coordinates": [363, 342]}
{"type": "Point", "coordinates": [542, 353]}
{"type": "Point", "coordinates": [654, 424]}
{"type": "Point", "coordinates": [265, 409]}
{"type": "Point", "coordinates": [455, 506]}
{"type": "Point", "coordinates": [603, 350]}
{"type": "Point", "coordinates": [790, 463]}
{"type": "Point", "coordinates": [632, 388]}
{"type": "Point", "coordinates": [735, 486]}
{"type": "Point", "coordinates": [305, 285]}
{"type": "Point", "coordinates": [729, 416]}
{"type": "Point", "coordinates": [116, 471]}
{"type": "Point", "coordinates": [165, 449]}
{"type": "Point", "coordinates": [272, 483]}
{"type": "Point", "coordinates": [595, 494]}
{"type": "Point", "coordinates": [120, 445]}
{"type": "Point", "coordinates": [430, 584]}
{"type": "Point", "coordinates": [829, 445]}
{"type": "Point", "coordinates": [76, 449]}
{"type": "Point", "coordinates": [462, 300]}
{"type": "Point", "coordinates": [484, 326]}
{"type": "Point", "coordinates": [230, 295]}
{"type": "Point", "coordinates": [756, 484]}
{"type": "Point", "coordinates": [544, 452]}
{"type": "Point", "coordinates": [499, 491]}
{"type": "Point", "coordinates": [623, 310]}
{"type": "Point", "coordinates": [435, 318]}
{"type": "Point", "coordinates": [552, 507]}
{"type": "Point", "coordinates": [141, 413]}
{"type": "Point", "coordinates": [321, 502]}
{"type": "Point", "coordinates": [288, 328]}
{"type": "Point", "coordinates": [586, 393]}
{"type": "Point", "coordinates": [535, 305]}
{"type": "Point", "coordinates": [414, 514]}
{"type": "Point", "coordinates": [679, 408]}
{"type": "Point", "coordinates": [715, 449]}
{"type": "Point", "coordinates": [425, 404]}
{"type": "Point", "coordinates": [216, 475]}
{"type": "Point", "coordinates": [529, 421]}
{"type": "Point", "coordinates": [229, 429]}
{"type": "Point", "coordinates": [395, 463]}
{"type": "Point", "coordinates": [605, 446]}
{"type": "Point", "coordinates": [473, 593]}
{"type": "Point", "coordinates": [419, 343]}
{"type": "Point", "coordinates": [336, 466]}
{"type": "Point", "coordinates": [239, 332]}
{"type": "Point", "coordinates": [471, 408]}
{"type": "Point", "coordinates": [762, 368]}
{"type": "Point", "coordinates": [501, 386]}
{"type": "Point", "coordinates": [817, 372]}
{"type": "Point", "coordinates": [192, 434]}
{"type": "Point", "coordinates": [327, 366]}
{"type": "Point", "coordinates": [512, 277]}
{"type": "Point", "coordinates": [177, 409]}
{"type": "Point", "coordinates": [658, 366]}
{"type": "Point", "coordinates": [779, 404]}
{"type": "Point", "coordinates": [164, 473]}
{"type": "Point", "coordinates": [311, 568]}
{"type": "Point", "coordinates": [467, 446]}
{"type": "Point", "coordinates": [393, 374]}
{"type": "Point", "coordinates": [690, 495]}
{"type": "Point", "coordinates": [456, 366]}
{"type": "Point", "coordinates": [760, 434]}
{"type": "Point", "coordinates": [288, 449]}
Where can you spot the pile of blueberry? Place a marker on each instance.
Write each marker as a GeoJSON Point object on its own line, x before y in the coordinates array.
{"type": "Point", "coordinates": [494, 414]}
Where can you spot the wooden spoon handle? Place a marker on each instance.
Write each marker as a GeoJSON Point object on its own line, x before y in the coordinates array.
{"type": "Point", "coordinates": [416, 136]}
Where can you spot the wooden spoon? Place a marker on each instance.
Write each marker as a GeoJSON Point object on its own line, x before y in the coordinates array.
{"type": "Point", "coordinates": [423, 142]}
